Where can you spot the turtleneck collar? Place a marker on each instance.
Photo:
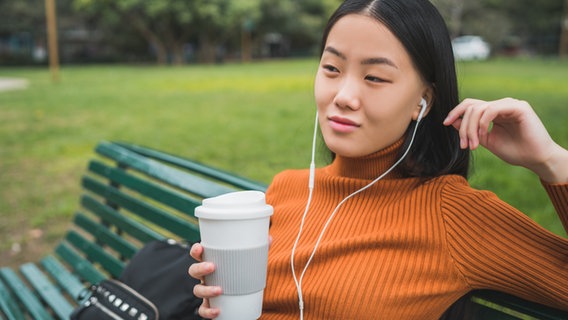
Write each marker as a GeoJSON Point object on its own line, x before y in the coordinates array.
{"type": "Point", "coordinates": [367, 167]}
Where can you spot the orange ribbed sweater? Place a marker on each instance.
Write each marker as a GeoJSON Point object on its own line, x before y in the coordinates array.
{"type": "Point", "coordinates": [405, 250]}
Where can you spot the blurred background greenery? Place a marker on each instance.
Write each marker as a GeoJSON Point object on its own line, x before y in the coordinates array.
{"type": "Point", "coordinates": [240, 96]}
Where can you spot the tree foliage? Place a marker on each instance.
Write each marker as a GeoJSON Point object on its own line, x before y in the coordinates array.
{"type": "Point", "coordinates": [505, 23]}
{"type": "Point", "coordinates": [175, 31]}
{"type": "Point", "coordinates": [169, 25]}
{"type": "Point", "coordinates": [215, 25]}
{"type": "Point", "coordinates": [299, 21]}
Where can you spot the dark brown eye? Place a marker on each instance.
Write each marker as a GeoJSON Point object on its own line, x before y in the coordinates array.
{"type": "Point", "coordinates": [330, 68]}
{"type": "Point", "coordinates": [374, 79]}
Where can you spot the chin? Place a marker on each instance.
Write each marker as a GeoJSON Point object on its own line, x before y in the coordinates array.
{"type": "Point", "coordinates": [343, 147]}
{"type": "Point", "coordinates": [345, 152]}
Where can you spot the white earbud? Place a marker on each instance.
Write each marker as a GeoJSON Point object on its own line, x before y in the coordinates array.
{"type": "Point", "coordinates": [423, 108]}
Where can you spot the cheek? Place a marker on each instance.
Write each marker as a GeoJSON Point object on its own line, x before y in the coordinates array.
{"type": "Point", "coordinates": [323, 92]}
{"type": "Point", "coordinates": [395, 106]}
{"type": "Point", "coordinates": [390, 119]}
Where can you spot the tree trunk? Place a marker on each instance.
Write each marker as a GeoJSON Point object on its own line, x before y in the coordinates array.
{"type": "Point", "coordinates": [563, 47]}
{"type": "Point", "coordinates": [161, 52]}
{"type": "Point", "coordinates": [246, 47]}
{"type": "Point", "coordinates": [51, 19]}
{"type": "Point", "coordinates": [177, 54]}
{"type": "Point", "coordinates": [207, 50]}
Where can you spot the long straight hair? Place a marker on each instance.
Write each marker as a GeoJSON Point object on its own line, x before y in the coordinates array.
{"type": "Point", "coordinates": [420, 28]}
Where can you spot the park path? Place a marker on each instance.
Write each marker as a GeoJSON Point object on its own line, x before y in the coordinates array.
{"type": "Point", "coordinates": [12, 84]}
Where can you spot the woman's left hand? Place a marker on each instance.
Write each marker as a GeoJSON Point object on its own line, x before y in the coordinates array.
{"type": "Point", "coordinates": [510, 129]}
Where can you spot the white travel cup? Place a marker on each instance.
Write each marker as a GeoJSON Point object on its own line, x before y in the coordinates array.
{"type": "Point", "coordinates": [234, 235]}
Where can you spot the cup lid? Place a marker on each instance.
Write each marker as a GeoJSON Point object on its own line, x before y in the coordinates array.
{"type": "Point", "coordinates": [237, 205]}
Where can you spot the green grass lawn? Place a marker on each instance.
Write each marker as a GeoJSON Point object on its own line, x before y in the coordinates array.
{"type": "Point", "coordinates": [253, 119]}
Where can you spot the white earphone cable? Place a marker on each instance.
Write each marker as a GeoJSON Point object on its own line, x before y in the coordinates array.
{"type": "Point", "coordinates": [299, 281]}
{"type": "Point", "coordinates": [311, 189]}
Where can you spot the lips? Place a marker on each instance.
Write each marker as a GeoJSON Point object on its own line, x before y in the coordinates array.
{"type": "Point", "coordinates": [341, 124]}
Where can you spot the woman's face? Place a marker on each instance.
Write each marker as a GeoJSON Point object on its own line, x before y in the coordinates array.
{"type": "Point", "coordinates": [367, 90]}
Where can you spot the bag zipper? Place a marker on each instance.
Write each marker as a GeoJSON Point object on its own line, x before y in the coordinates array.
{"type": "Point", "coordinates": [94, 301]}
{"type": "Point", "coordinates": [138, 295]}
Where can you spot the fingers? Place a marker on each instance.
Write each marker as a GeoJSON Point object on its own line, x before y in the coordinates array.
{"type": "Point", "coordinates": [457, 112]}
{"type": "Point", "coordinates": [472, 126]}
{"type": "Point", "coordinates": [205, 311]}
{"type": "Point", "coordinates": [473, 119]}
{"type": "Point", "coordinates": [461, 119]}
{"type": "Point", "coordinates": [196, 251]}
{"type": "Point", "coordinates": [198, 271]}
{"type": "Point", "coordinates": [205, 292]}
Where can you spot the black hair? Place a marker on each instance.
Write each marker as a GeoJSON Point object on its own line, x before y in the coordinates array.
{"type": "Point", "coordinates": [420, 28]}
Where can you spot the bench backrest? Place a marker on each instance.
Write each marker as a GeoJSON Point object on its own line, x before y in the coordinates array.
{"type": "Point", "coordinates": [134, 195]}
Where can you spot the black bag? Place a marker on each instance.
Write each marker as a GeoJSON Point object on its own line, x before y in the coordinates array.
{"type": "Point", "coordinates": [158, 272]}
{"type": "Point", "coordinates": [111, 299]}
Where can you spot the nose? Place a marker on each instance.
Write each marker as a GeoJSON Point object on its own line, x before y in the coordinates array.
{"type": "Point", "coordinates": [348, 95]}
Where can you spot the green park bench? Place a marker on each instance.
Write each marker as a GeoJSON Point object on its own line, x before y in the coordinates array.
{"type": "Point", "coordinates": [133, 195]}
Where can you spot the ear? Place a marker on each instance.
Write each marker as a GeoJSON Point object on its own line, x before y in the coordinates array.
{"type": "Point", "coordinates": [428, 97]}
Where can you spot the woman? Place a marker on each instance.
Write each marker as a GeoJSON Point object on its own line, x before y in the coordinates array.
{"type": "Point", "coordinates": [391, 229]}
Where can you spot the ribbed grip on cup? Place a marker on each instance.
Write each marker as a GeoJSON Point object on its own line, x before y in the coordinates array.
{"type": "Point", "coordinates": [237, 271]}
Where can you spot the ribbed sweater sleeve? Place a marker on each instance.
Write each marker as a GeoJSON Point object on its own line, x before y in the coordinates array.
{"type": "Point", "coordinates": [497, 247]}
{"type": "Point", "coordinates": [558, 194]}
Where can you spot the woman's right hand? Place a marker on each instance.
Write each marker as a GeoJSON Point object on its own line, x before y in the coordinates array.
{"type": "Point", "coordinates": [198, 271]}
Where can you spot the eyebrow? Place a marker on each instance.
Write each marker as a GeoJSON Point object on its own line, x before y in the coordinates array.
{"type": "Point", "coordinates": [377, 60]}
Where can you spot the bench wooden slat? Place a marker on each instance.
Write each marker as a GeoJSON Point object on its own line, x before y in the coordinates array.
{"type": "Point", "coordinates": [8, 305]}
{"type": "Point", "coordinates": [143, 209]}
{"type": "Point", "coordinates": [27, 298]}
{"type": "Point", "coordinates": [68, 281]}
{"type": "Point", "coordinates": [46, 290]}
{"type": "Point", "coordinates": [515, 305]}
{"type": "Point", "coordinates": [221, 175]}
{"type": "Point", "coordinates": [134, 228]}
{"type": "Point", "coordinates": [95, 253]}
{"type": "Point", "coordinates": [176, 200]}
{"type": "Point", "coordinates": [83, 267]}
{"type": "Point", "coordinates": [103, 235]}
{"type": "Point", "coordinates": [191, 183]}
{"type": "Point", "coordinates": [494, 311]}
